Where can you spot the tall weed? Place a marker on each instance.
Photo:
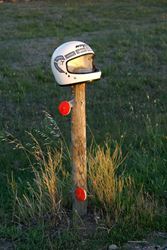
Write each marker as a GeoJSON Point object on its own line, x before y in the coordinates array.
{"type": "Point", "coordinates": [114, 191]}
{"type": "Point", "coordinates": [43, 197]}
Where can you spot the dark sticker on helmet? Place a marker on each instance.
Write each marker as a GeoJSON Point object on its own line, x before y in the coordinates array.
{"type": "Point", "coordinates": [70, 54]}
{"type": "Point", "coordinates": [59, 60]}
{"type": "Point", "coordinates": [81, 50]}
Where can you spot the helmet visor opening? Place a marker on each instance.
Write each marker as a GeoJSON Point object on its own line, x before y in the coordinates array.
{"type": "Point", "coordinates": [82, 64]}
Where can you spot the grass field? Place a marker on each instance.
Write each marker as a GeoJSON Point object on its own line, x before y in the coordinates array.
{"type": "Point", "coordinates": [127, 107]}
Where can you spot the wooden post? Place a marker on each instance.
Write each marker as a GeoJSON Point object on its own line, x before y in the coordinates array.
{"type": "Point", "coordinates": [78, 140]}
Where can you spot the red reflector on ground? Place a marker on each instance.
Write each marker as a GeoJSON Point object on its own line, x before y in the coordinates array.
{"type": "Point", "coordinates": [80, 194]}
{"type": "Point", "coordinates": [64, 108]}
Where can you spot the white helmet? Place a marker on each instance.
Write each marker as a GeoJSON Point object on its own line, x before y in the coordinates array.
{"type": "Point", "coordinates": [72, 62]}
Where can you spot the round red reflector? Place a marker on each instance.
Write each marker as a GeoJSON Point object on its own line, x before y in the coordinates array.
{"type": "Point", "coordinates": [64, 108]}
{"type": "Point", "coordinates": [80, 194]}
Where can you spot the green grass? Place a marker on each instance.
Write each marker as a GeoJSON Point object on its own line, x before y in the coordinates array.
{"type": "Point", "coordinates": [128, 105]}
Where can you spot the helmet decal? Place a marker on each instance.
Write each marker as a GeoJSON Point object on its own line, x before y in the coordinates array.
{"type": "Point", "coordinates": [57, 61]}
{"type": "Point", "coordinates": [81, 50]}
{"type": "Point", "coordinates": [69, 55]}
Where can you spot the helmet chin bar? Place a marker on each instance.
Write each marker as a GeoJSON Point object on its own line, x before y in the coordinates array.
{"type": "Point", "coordinates": [80, 78]}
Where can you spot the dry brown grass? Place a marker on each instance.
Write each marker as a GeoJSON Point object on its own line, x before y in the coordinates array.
{"type": "Point", "coordinates": [106, 185]}
{"type": "Point", "coordinates": [43, 197]}
{"type": "Point", "coordinates": [115, 192]}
